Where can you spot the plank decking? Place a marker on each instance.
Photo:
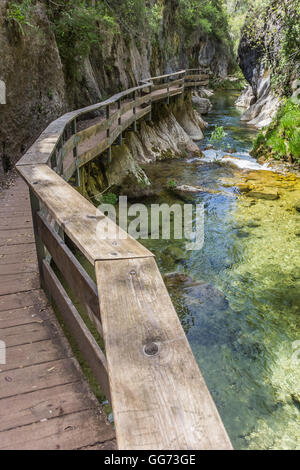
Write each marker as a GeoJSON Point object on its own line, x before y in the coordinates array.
{"type": "Point", "coordinates": [45, 402]}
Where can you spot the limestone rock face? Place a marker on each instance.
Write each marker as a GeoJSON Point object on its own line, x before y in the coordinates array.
{"type": "Point", "coordinates": [40, 87]}
{"type": "Point", "coordinates": [262, 42]}
{"type": "Point", "coordinates": [35, 86]}
{"type": "Point", "coordinates": [261, 113]}
{"type": "Point", "coordinates": [246, 99]}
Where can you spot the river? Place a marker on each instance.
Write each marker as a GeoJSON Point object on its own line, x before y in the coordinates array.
{"type": "Point", "coordinates": [241, 311]}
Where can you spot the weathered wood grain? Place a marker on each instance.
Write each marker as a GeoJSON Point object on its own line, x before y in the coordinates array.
{"type": "Point", "coordinates": [159, 397]}
{"type": "Point", "coordinates": [65, 432]}
{"type": "Point", "coordinates": [77, 278]}
{"type": "Point", "coordinates": [87, 343]}
{"type": "Point", "coordinates": [78, 218]}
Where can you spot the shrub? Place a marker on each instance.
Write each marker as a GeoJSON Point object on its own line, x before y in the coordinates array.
{"type": "Point", "coordinates": [281, 140]}
{"type": "Point", "coordinates": [19, 14]}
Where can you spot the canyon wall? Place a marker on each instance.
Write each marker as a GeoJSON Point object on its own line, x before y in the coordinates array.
{"type": "Point", "coordinates": [39, 85]}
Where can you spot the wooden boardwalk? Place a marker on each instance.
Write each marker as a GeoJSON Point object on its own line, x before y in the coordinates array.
{"type": "Point", "coordinates": [45, 402]}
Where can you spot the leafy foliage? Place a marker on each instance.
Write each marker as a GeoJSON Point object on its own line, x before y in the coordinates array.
{"type": "Point", "coordinates": [19, 14]}
{"type": "Point", "coordinates": [281, 140]}
{"type": "Point", "coordinates": [207, 15]}
{"type": "Point", "coordinates": [77, 26]}
{"type": "Point", "coordinates": [218, 135]}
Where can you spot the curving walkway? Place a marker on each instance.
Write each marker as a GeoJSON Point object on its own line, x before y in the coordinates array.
{"type": "Point", "coordinates": [45, 402]}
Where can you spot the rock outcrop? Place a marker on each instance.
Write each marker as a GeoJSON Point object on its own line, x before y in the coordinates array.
{"type": "Point", "coordinates": [170, 134]}
{"type": "Point", "coordinates": [39, 88]}
{"type": "Point", "coordinates": [262, 42]}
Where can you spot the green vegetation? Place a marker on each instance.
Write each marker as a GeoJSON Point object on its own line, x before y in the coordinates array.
{"type": "Point", "coordinates": [77, 26]}
{"type": "Point", "coordinates": [278, 39]}
{"type": "Point", "coordinates": [281, 140]}
{"type": "Point", "coordinates": [19, 14]}
{"type": "Point", "coordinates": [237, 83]}
{"type": "Point", "coordinates": [218, 135]}
{"type": "Point", "coordinates": [208, 16]}
{"type": "Point", "coordinates": [237, 12]}
{"type": "Point", "coordinates": [172, 184]}
{"type": "Point", "coordinates": [108, 198]}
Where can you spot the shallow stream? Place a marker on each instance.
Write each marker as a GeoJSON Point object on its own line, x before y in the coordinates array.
{"type": "Point", "coordinates": [241, 312]}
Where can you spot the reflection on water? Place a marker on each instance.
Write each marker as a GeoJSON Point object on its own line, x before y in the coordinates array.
{"type": "Point", "coordinates": [240, 310]}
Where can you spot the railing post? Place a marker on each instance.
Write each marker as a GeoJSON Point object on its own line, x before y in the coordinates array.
{"type": "Point", "coordinates": [168, 88]}
{"type": "Point", "coordinates": [134, 111]}
{"type": "Point", "coordinates": [40, 249]}
{"type": "Point", "coordinates": [107, 117]}
{"type": "Point", "coordinates": [108, 133]}
{"type": "Point", "coordinates": [149, 118]}
{"type": "Point", "coordinates": [120, 121]}
{"type": "Point", "coordinates": [59, 157]}
{"type": "Point", "coordinates": [75, 152]}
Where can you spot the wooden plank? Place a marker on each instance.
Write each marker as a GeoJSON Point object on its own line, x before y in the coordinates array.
{"type": "Point", "coordinates": [16, 236]}
{"type": "Point", "coordinates": [86, 342]}
{"type": "Point", "coordinates": [21, 282]}
{"type": "Point", "coordinates": [23, 315]}
{"type": "Point", "coordinates": [85, 157]}
{"type": "Point", "coordinates": [91, 131]}
{"type": "Point", "coordinates": [162, 86]}
{"type": "Point", "coordinates": [197, 77]}
{"type": "Point", "coordinates": [25, 334]}
{"type": "Point", "coordinates": [17, 254]}
{"type": "Point", "coordinates": [77, 278]}
{"type": "Point", "coordinates": [79, 218]}
{"type": "Point", "coordinates": [40, 152]}
{"type": "Point", "coordinates": [37, 377]}
{"type": "Point", "coordinates": [159, 397]}
{"type": "Point", "coordinates": [39, 405]}
{"type": "Point", "coordinates": [191, 84]}
{"type": "Point", "coordinates": [177, 82]}
{"type": "Point", "coordinates": [18, 357]}
{"type": "Point", "coordinates": [15, 222]}
{"type": "Point", "coordinates": [65, 432]}
{"type": "Point", "coordinates": [22, 300]}
{"type": "Point", "coordinates": [17, 268]}
{"type": "Point", "coordinates": [143, 99]}
{"type": "Point", "coordinates": [10, 250]}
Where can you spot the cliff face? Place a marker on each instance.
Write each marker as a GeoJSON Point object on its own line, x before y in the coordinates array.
{"type": "Point", "coordinates": [39, 87]}
{"type": "Point", "coordinates": [267, 59]}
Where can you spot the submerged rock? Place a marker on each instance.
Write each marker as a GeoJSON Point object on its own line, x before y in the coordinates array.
{"type": "Point", "coordinates": [243, 187]}
{"type": "Point", "coordinates": [269, 194]}
{"type": "Point", "coordinates": [297, 206]}
{"type": "Point", "coordinates": [176, 279]}
{"type": "Point", "coordinates": [186, 191]}
{"type": "Point", "coordinates": [207, 295]}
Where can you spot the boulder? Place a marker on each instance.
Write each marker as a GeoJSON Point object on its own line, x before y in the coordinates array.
{"type": "Point", "coordinates": [208, 296]}
{"type": "Point", "coordinates": [203, 104]}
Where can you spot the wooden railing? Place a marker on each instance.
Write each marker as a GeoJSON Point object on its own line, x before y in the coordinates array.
{"type": "Point", "coordinates": [148, 371]}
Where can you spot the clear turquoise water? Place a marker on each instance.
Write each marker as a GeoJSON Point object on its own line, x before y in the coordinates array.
{"type": "Point", "coordinates": [245, 349]}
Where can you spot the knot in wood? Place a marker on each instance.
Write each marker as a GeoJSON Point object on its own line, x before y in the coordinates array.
{"type": "Point", "coordinates": [151, 349]}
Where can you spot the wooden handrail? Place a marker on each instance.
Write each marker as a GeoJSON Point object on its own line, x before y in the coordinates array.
{"type": "Point", "coordinates": [149, 373]}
